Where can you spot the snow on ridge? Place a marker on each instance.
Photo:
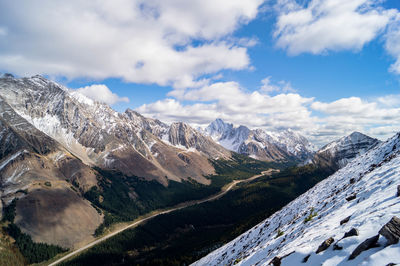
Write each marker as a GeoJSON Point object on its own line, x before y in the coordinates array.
{"type": "Point", "coordinates": [11, 158]}
{"type": "Point", "coordinates": [375, 175]}
{"type": "Point", "coordinates": [81, 98]}
{"type": "Point", "coordinates": [231, 137]}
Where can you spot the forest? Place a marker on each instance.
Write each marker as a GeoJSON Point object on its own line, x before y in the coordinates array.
{"type": "Point", "coordinates": [184, 236]}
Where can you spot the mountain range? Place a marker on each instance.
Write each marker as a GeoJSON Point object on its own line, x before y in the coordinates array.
{"type": "Point", "coordinates": [57, 145]}
{"type": "Point", "coordinates": [260, 144]}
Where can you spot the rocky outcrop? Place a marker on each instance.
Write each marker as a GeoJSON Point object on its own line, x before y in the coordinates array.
{"type": "Point", "coordinates": [367, 244]}
{"type": "Point", "coordinates": [391, 231]}
{"type": "Point", "coordinates": [352, 232]}
{"type": "Point", "coordinates": [345, 220]}
{"type": "Point", "coordinates": [325, 245]}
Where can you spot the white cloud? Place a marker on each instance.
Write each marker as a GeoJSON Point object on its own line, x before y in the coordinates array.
{"type": "Point", "coordinates": [143, 41]}
{"type": "Point", "coordinates": [101, 93]}
{"type": "Point", "coordinates": [322, 25]}
{"type": "Point", "coordinates": [227, 100]}
{"type": "Point", "coordinates": [380, 118]}
{"type": "Point", "coordinates": [392, 44]}
{"type": "Point", "coordinates": [322, 122]}
{"type": "Point", "coordinates": [269, 87]}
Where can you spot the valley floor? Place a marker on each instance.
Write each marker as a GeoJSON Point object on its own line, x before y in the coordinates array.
{"type": "Point", "coordinates": [156, 213]}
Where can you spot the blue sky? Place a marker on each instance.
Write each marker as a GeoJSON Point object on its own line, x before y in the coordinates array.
{"type": "Point", "coordinates": [322, 67]}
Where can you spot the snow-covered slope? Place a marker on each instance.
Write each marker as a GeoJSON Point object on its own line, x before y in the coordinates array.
{"type": "Point", "coordinates": [259, 143]}
{"type": "Point", "coordinates": [364, 192]}
{"type": "Point", "coordinates": [338, 153]}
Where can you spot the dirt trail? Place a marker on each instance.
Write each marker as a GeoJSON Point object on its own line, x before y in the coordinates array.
{"type": "Point", "coordinates": [156, 213]}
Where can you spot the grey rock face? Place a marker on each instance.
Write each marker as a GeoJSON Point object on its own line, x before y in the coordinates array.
{"type": "Point", "coordinates": [338, 153]}
{"type": "Point", "coordinates": [325, 245]}
{"type": "Point", "coordinates": [367, 244]}
{"type": "Point", "coordinates": [391, 231]}
{"type": "Point", "coordinates": [260, 144]}
{"type": "Point", "coordinates": [352, 232]}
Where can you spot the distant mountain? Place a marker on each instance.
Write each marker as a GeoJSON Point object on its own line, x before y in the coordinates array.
{"type": "Point", "coordinates": [54, 140]}
{"type": "Point", "coordinates": [350, 218]}
{"type": "Point", "coordinates": [260, 144]}
{"type": "Point", "coordinates": [338, 153]}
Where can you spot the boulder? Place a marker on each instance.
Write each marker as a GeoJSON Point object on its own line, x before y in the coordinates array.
{"type": "Point", "coordinates": [345, 220]}
{"type": "Point", "coordinates": [276, 261]}
{"type": "Point", "coordinates": [351, 197]}
{"type": "Point", "coordinates": [398, 191]}
{"type": "Point", "coordinates": [367, 244]}
{"type": "Point", "coordinates": [391, 230]}
{"type": "Point", "coordinates": [305, 259]}
{"type": "Point", "coordinates": [352, 232]}
{"type": "Point", "coordinates": [325, 245]}
{"type": "Point", "coordinates": [337, 247]}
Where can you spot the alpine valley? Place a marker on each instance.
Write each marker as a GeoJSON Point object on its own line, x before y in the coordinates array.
{"type": "Point", "coordinates": [74, 171]}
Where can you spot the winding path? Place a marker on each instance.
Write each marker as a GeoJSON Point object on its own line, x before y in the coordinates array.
{"type": "Point", "coordinates": [156, 213]}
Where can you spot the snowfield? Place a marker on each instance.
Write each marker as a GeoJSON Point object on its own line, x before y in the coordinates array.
{"type": "Point", "coordinates": [365, 190]}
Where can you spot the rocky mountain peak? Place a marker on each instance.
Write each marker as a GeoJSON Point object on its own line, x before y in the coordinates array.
{"type": "Point", "coordinates": [339, 152]}
{"type": "Point", "coordinates": [259, 143]}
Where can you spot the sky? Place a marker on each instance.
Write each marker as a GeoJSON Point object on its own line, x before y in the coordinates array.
{"type": "Point", "coordinates": [324, 68]}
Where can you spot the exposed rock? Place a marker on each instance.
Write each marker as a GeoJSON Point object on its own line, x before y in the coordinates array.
{"type": "Point", "coordinates": [352, 180]}
{"type": "Point", "coordinates": [367, 244]}
{"type": "Point", "coordinates": [306, 258]}
{"type": "Point", "coordinates": [345, 220]}
{"type": "Point", "coordinates": [391, 230]}
{"type": "Point", "coordinates": [325, 245]}
{"type": "Point", "coordinates": [351, 197]}
{"type": "Point", "coordinates": [267, 146]}
{"type": "Point", "coordinates": [338, 153]}
{"type": "Point", "coordinates": [276, 261]}
{"type": "Point", "coordinates": [398, 191]}
{"type": "Point", "coordinates": [352, 232]}
{"type": "Point", "coordinates": [337, 247]}
{"type": "Point", "coordinates": [43, 117]}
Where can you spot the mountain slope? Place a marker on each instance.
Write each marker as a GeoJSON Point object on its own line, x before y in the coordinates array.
{"type": "Point", "coordinates": [40, 171]}
{"type": "Point", "coordinates": [338, 153]}
{"type": "Point", "coordinates": [363, 192]}
{"type": "Point", "coordinates": [75, 164]}
{"type": "Point", "coordinates": [100, 136]}
{"type": "Point", "coordinates": [260, 144]}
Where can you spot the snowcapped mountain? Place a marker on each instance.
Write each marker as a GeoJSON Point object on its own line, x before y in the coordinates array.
{"type": "Point", "coordinates": [347, 219]}
{"type": "Point", "coordinates": [100, 136]}
{"type": "Point", "coordinates": [260, 144]}
{"type": "Point", "coordinates": [338, 153]}
{"type": "Point", "coordinates": [52, 137]}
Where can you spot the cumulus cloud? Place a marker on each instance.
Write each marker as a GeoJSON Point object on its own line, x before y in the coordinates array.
{"type": "Point", "coordinates": [321, 122]}
{"type": "Point", "coordinates": [101, 93]}
{"type": "Point", "coordinates": [227, 100]}
{"type": "Point", "coordinates": [143, 41]}
{"type": "Point", "coordinates": [392, 44]}
{"type": "Point", "coordinates": [380, 118]}
{"type": "Point", "coordinates": [269, 87]}
{"type": "Point", "coordinates": [322, 25]}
